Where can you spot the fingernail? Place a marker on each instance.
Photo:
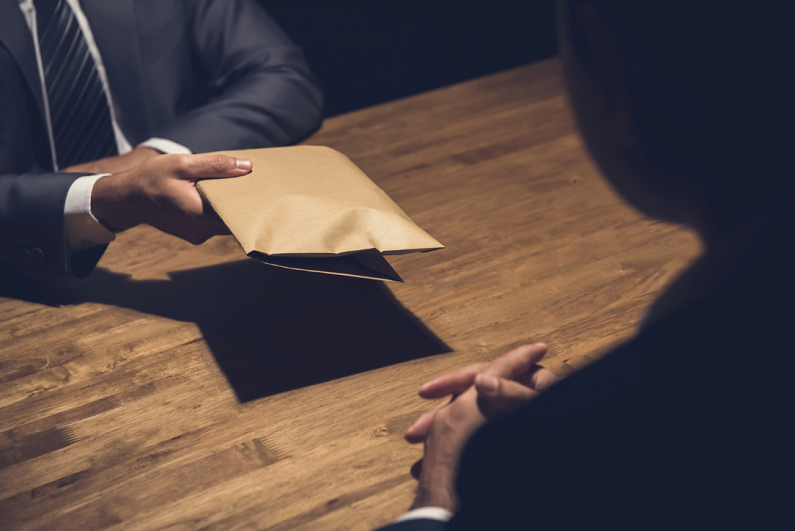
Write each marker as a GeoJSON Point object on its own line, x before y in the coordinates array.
{"type": "Point", "coordinates": [488, 384]}
{"type": "Point", "coordinates": [415, 423]}
{"type": "Point", "coordinates": [424, 386]}
{"type": "Point", "coordinates": [243, 164]}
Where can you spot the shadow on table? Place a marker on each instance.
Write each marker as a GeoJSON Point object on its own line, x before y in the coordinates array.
{"type": "Point", "coordinates": [270, 329]}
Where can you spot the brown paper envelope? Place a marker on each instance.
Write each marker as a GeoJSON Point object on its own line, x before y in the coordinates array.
{"type": "Point", "coordinates": [365, 264]}
{"type": "Point", "coordinates": [306, 205]}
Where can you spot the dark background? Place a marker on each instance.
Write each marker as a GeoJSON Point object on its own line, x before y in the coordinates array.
{"type": "Point", "coordinates": [366, 52]}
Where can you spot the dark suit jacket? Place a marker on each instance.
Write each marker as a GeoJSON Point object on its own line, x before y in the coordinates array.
{"type": "Point", "coordinates": [689, 426]}
{"type": "Point", "coordinates": [207, 74]}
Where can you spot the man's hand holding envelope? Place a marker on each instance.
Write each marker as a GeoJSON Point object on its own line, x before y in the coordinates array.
{"type": "Point", "coordinates": [310, 208]}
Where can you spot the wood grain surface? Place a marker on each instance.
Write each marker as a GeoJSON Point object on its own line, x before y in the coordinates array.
{"type": "Point", "coordinates": [183, 387]}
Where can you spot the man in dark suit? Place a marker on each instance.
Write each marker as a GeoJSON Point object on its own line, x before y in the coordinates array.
{"type": "Point", "coordinates": [105, 87]}
{"type": "Point", "coordinates": [686, 107]}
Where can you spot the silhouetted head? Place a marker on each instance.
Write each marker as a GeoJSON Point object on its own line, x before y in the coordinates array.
{"type": "Point", "coordinates": [685, 105]}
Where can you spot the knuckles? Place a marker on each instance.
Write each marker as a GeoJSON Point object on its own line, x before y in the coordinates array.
{"type": "Point", "coordinates": [221, 164]}
{"type": "Point", "coordinates": [199, 165]}
{"type": "Point", "coordinates": [184, 161]}
{"type": "Point", "coordinates": [179, 165]}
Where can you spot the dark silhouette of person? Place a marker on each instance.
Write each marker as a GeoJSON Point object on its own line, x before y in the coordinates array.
{"type": "Point", "coordinates": [686, 107]}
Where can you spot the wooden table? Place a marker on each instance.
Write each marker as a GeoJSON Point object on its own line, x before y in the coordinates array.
{"type": "Point", "coordinates": [185, 387]}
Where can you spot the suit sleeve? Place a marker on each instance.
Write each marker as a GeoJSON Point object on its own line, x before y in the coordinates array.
{"type": "Point", "coordinates": [32, 197]}
{"type": "Point", "coordinates": [263, 93]}
{"type": "Point", "coordinates": [678, 428]}
{"type": "Point", "coordinates": [32, 225]}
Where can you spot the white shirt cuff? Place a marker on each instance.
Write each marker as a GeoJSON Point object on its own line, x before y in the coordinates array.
{"type": "Point", "coordinates": [165, 146]}
{"type": "Point", "coordinates": [81, 228]}
{"type": "Point", "coordinates": [429, 513]}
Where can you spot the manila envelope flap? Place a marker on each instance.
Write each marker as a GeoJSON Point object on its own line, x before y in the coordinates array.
{"type": "Point", "coordinates": [312, 204]}
{"type": "Point", "coordinates": [366, 264]}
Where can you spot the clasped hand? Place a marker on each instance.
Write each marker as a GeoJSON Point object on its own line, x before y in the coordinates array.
{"type": "Point", "coordinates": [480, 392]}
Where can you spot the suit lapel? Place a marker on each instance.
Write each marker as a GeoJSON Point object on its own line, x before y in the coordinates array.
{"type": "Point", "coordinates": [18, 39]}
{"type": "Point", "coordinates": [114, 27]}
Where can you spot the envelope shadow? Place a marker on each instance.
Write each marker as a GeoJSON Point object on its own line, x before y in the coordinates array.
{"type": "Point", "coordinates": [270, 329]}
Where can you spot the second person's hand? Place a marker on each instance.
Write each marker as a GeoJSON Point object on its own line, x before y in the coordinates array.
{"type": "Point", "coordinates": [502, 385]}
{"type": "Point", "coordinates": [480, 392]}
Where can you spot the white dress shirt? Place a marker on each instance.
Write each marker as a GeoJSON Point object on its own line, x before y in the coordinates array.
{"type": "Point", "coordinates": [81, 228]}
{"type": "Point", "coordinates": [428, 513]}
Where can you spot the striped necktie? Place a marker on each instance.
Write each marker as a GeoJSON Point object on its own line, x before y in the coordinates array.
{"type": "Point", "coordinates": [79, 111]}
